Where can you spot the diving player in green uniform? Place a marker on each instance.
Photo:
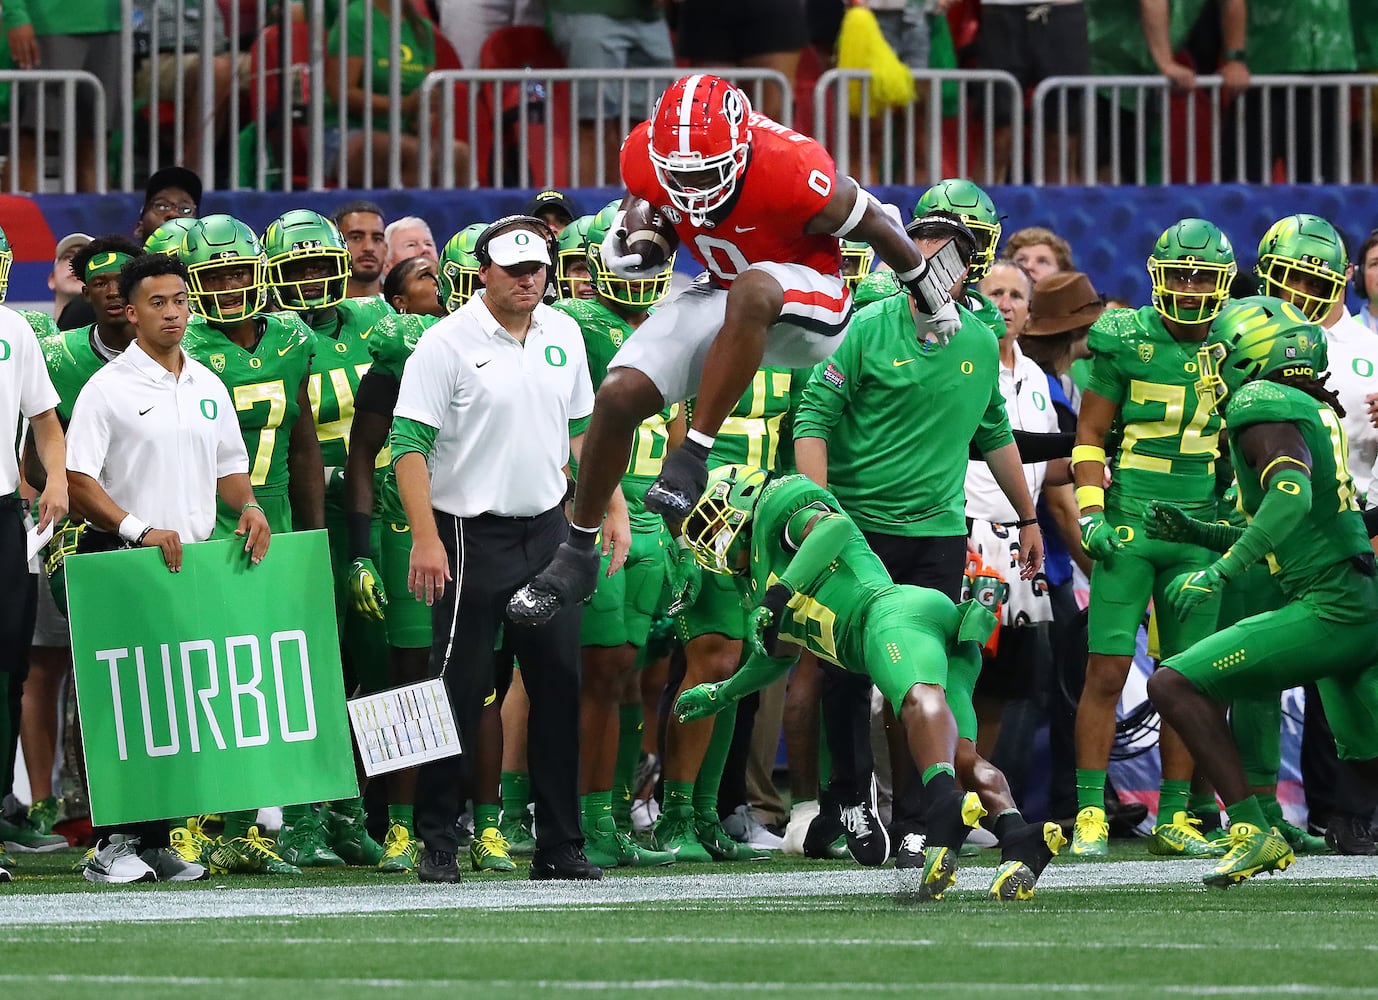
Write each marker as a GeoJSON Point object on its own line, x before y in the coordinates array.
{"type": "Point", "coordinates": [1140, 405]}
{"type": "Point", "coordinates": [813, 582]}
{"type": "Point", "coordinates": [1290, 457]}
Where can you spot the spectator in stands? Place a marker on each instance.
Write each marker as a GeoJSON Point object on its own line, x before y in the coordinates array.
{"type": "Point", "coordinates": [361, 225]}
{"type": "Point", "coordinates": [468, 23]}
{"type": "Point", "coordinates": [554, 208]}
{"type": "Point", "coordinates": [363, 136]}
{"type": "Point", "coordinates": [409, 236]}
{"type": "Point", "coordinates": [764, 34]}
{"type": "Point", "coordinates": [1039, 251]}
{"type": "Point", "coordinates": [1033, 41]}
{"type": "Point", "coordinates": [176, 34]}
{"type": "Point", "coordinates": [170, 193]}
{"type": "Point", "coordinates": [609, 35]}
{"type": "Point", "coordinates": [1302, 36]}
{"type": "Point", "coordinates": [66, 286]}
{"type": "Point", "coordinates": [49, 34]}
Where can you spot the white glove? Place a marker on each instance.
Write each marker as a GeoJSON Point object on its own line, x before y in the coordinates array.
{"type": "Point", "coordinates": [614, 252]}
{"type": "Point", "coordinates": [930, 287]}
{"type": "Point", "coordinates": [942, 324]}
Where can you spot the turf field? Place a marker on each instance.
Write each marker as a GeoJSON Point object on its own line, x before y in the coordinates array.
{"type": "Point", "coordinates": [1130, 927]}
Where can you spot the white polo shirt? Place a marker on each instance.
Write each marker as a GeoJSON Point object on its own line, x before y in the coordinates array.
{"type": "Point", "coordinates": [157, 443]}
{"type": "Point", "coordinates": [1027, 402]}
{"type": "Point", "coordinates": [1353, 352]}
{"type": "Point", "coordinates": [25, 389]}
{"type": "Point", "coordinates": [502, 409]}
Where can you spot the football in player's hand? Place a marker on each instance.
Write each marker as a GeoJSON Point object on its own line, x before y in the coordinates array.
{"type": "Point", "coordinates": [650, 234]}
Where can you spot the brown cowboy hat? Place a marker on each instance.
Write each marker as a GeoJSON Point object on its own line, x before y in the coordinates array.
{"type": "Point", "coordinates": [1065, 300]}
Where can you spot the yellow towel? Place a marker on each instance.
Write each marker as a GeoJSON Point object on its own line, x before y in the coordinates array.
{"type": "Point", "coordinates": [861, 45]}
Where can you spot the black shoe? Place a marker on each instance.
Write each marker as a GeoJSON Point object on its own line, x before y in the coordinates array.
{"type": "Point", "coordinates": [570, 579]}
{"type": "Point", "coordinates": [867, 838]}
{"type": "Point", "coordinates": [565, 863]}
{"type": "Point", "coordinates": [1123, 817]}
{"type": "Point", "coordinates": [1349, 834]}
{"type": "Point", "coordinates": [901, 827]}
{"type": "Point", "coordinates": [438, 866]}
{"type": "Point", "coordinates": [821, 835]}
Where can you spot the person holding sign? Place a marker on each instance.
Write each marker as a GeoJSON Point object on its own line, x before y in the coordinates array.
{"type": "Point", "coordinates": [155, 441]}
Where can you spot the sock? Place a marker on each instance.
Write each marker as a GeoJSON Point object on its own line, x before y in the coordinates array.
{"type": "Point", "coordinates": [679, 797]}
{"type": "Point", "coordinates": [1172, 799]}
{"type": "Point", "coordinates": [1261, 779]}
{"type": "Point", "coordinates": [943, 822]}
{"type": "Point", "coordinates": [292, 815]}
{"type": "Point", "coordinates": [1202, 804]}
{"type": "Point", "coordinates": [931, 772]}
{"type": "Point", "coordinates": [1007, 823]}
{"type": "Point", "coordinates": [1247, 811]}
{"type": "Point", "coordinates": [1090, 788]}
{"type": "Point", "coordinates": [402, 816]}
{"type": "Point", "coordinates": [597, 810]}
{"type": "Point", "coordinates": [714, 760]}
{"type": "Point", "coordinates": [703, 443]}
{"type": "Point", "coordinates": [516, 793]}
{"type": "Point", "coordinates": [582, 538]}
{"type": "Point", "coordinates": [349, 807]}
{"type": "Point", "coordinates": [485, 815]}
{"type": "Point", "coordinates": [1272, 808]}
{"type": "Point", "coordinates": [237, 823]}
{"type": "Point", "coordinates": [630, 721]}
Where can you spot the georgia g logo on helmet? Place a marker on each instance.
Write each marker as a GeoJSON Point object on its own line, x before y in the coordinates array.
{"type": "Point", "coordinates": [699, 136]}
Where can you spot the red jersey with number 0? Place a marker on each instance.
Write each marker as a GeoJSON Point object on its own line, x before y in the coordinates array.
{"type": "Point", "coordinates": [788, 180]}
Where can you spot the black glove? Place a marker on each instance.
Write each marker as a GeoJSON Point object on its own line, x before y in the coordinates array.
{"type": "Point", "coordinates": [681, 482]}
{"type": "Point", "coordinates": [570, 579]}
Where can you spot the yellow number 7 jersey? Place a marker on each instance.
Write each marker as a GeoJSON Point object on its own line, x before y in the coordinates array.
{"type": "Point", "coordinates": [263, 383]}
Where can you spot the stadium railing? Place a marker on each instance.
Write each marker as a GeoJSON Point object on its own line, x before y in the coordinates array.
{"type": "Point", "coordinates": [521, 125]}
{"type": "Point", "coordinates": [952, 134]}
{"type": "Point", "coordinates": [72, 136]}
{"type": "Point", "coordinates": [1159, 135]}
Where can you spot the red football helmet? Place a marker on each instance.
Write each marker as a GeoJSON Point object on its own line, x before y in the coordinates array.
{"type": "Point", "coordinates": [699, 140]}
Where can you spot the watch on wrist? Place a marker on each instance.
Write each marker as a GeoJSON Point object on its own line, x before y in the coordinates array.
{"type": "Point", "coordinates": [1234, 55]}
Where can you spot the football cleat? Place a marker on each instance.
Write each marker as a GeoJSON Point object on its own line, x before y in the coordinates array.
{"type": "Point", "coordinates": [1298, 839]}
{"type": "Point", "coordinates": [347, 836]}
{"type": "Point", "coordinates": [399, 850]}
{"type": "Point", "coordinates": [251, 854]}
{"type": "Point", "coordinates": [676, 833]}
{"type": "Point", "coordinates": [303, 844]}
{"type": "Point", "coordinates": [1253, 850]}
{"type": "Point", "coordinates": [521, 842]}
{"type": "Point", "coordinates": [1013, 881]}
{"type": "Point", "coordinates": [925, 872]}
{"type": "Point", "coordinates": [187, 846]}
{"type": "Point", "coordinates": [488, 852]}
{"type": "Point", "coordinates": [44, 813]}
{"type": "Point", "coordinates": [867, 839]}
{"type": "Point", "coordinates": [1182, 838]}
{"type": "Point", "coordinates": [717, 842]}
{"type": "Point", "coordinates": [20, 834]}
{"type": "Point", "coordinates": [196, 830]}
{"type": "Point", "coordinates": [5, 875]}
{"type": "Point", "coordinates": [1091, 835]}
{"type": "Point", "coordinates": [608, 847]}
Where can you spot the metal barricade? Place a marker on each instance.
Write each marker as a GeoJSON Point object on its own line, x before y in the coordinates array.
{"type": "Point", "coordinates": [78, 140]}
{"type": "Point", "coordinates": [522, 126]}
{"type": "Point", "coordinates": [918, 145]}
{"type": "Point", "coordinates": [1137, 130]}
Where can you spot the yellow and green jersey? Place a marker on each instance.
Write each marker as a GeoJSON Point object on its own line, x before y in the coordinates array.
{"type": "Point", "coordinates": [757, 431]}
{"type": "Point", "coordinates": [264, 383]}
{"type": "Point", "coordinates": [72, 359]}
{"type": "Point", "coordinates": [391, 343]}
{"type": "Point", "coordinates": [1165, 440]}
{"type": "Point", "coordinates": [1307, 561]}
{"type": "Point", "coordinates": [342, 357]}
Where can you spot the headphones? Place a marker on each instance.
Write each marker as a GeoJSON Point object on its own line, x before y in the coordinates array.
{"type": "Point", "coordinates": [509, 222]}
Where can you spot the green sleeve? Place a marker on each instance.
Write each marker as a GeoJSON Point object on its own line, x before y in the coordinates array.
{"type": "Point", "coordinates": [756, 673]}
{"type": "Point", "coordinates": [994, 429]}
{"type": "Point", "coordinates": [1105, 378]}
{"type": "Point", "coordinates": [411, 435]}
{"type": "Point", "coordinates": [815, 555]}
{"type": "Point", "coordinates": [1214, 535]}
{"type": "Point", "coordinates": [1286, 502]}
{"type": "Point", "coordinates": [829, 390]}
{"type": "Point", "coordinates": [16, 14]}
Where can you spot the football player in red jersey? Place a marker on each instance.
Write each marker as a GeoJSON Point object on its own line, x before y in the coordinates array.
{"type": "Point", "coordinates": [762, 208]}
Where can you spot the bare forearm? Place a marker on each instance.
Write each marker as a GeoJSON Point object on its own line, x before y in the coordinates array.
{"type": "Point", "coordinates": [1009, 475]}
{"type": "Point", "coordinates": [236, 491]}
{"type": "Point", "coordinates": [414, 485]}
{"type": "Point", "coordinates": [91, 502]}
{"type": "Point", "coordinates": [811, 458]}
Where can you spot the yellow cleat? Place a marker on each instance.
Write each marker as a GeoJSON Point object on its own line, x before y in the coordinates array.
{"type": "Point", "coordinates": [1091, 835]}
{"type": "Point", "coordinates": [488, 852]}
{"type": "Point", "coordinates": [1253, 851]}
{"type": "Point", "coordinates": [1182, 838]}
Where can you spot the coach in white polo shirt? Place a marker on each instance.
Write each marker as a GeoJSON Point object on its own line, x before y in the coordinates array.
{"type": "Point", "coordinates": [481, 443]}
{"type": "Point", "coordinates": [154, 436]}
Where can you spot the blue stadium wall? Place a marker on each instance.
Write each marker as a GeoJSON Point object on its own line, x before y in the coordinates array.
{"type": "Point", "coordinates": [1111, 229]}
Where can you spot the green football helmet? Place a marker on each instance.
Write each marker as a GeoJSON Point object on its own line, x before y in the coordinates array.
{"type": "Point", "coordinates": [167, 238]}
{"type": "Point", "coordinates": [857, 260]}
{"type": "Point", "coordinates": [1303, 259]}
{"type": "Point", "coordinates": [962, 197]}
{"type": "Point", "coordinates": [717, 522]}
{"type": "Point", "coordinates": [457, 276]}
{"type": "Point", "coordinates": [1252, 338]}
{"type": "Point", "coordinates": [571, 253]}
{"type": "Point", "coordinates": [6, 260]}
{"type": "Point", "coordinates": [213, 248]}
{"type": "Point", "coordinates": [308, 262]}
{"type": "Point", "coordinates": [1191, 268]}
{"type": "Point", "coordinates": [634, 293]}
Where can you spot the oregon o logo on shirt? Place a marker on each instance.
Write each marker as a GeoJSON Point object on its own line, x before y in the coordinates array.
{"type": "Point", "coordinates": [209, 409]}
{"type": "Point", "coordinates": [4, 350]}
{"type": "Point", "coordinates": [255, 362]}
{"type": "Point", "coordinates": [967, 368]}
{"type": "Point", "coordinates": [1040, 400]}
{"type": "Point", "coordinates": [555, 356]}
{"type": "Point", "coordinates": [1363, 367]}
{"type": "Point", "coordinates": [341, 346]}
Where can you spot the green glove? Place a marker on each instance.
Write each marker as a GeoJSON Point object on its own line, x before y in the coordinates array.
{"type": "Point", "coordinates": [1187, 590]}
{"type": "Point", "coordinates": [366, 587]}
{"type": "Point", "coordinates": [1166, 522]}
{"type": "Point", "coordinates": [763, 624]}
{"type": "Point", "coordinates": [1098, 536]}
{"type": "Point", "coordinates": [686, 579]}
{"type": "Point", "coordinates": [699, 702]}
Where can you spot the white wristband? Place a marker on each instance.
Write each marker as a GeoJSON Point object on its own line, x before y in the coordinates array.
{"type": "Point", "coordinates": [131, 528]}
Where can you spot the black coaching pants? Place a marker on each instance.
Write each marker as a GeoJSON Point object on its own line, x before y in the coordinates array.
{"type": "Point", "coordinates": [17, 610]}
{"type": "Point", "coordinates": [490, 558]}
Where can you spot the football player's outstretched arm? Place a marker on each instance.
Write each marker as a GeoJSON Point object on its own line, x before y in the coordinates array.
{"type": "Point", "coordinates": [1280, 454]}
{"type": "Point", "coordinates": [704, 700]}
{"type": "Point", "coordinates": [305, 470]}
{"type": "Point", "coordinates": [854, 214]}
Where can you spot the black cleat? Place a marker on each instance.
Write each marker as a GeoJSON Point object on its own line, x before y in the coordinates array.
{"type": "Point", "coordinates": [1349, 834]}
{"type": "Point", "coordinates": [565, 863]}
{"type": "Point", "coordinates": [867, 838]}
{"type": "Point", "coordinates": [570, 579]}
{"type": "Point", "coordinates": [437, 866]}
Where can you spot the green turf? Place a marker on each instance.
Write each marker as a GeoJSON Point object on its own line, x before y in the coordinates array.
{"type": "Point", "coordinates": [1279, 937]}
